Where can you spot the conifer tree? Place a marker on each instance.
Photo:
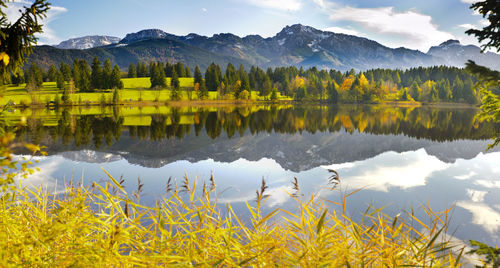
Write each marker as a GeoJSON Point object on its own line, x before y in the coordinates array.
{"type": "Point", "coordinates": [65, 70]}
{"type": "Point", "coordinates": [188, 72]}
{"type": "Point", "coordinates": [106, 74]}
{"type": "Point", "coordinates": [97, 75]}
{"type": "Point", "coordinates": [132, 72]}
{"type": "Point", "coordinates": [197, 75]}
{"type": "Point", "coordinates": [116, 81]}
{"type": "Point", "coordinates": [52, 74]}
{"type": "Point", "coordinates": [174, 86]}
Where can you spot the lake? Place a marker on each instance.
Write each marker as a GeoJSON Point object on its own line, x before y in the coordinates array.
{"type": "Point", "coordinates": [401, 157]}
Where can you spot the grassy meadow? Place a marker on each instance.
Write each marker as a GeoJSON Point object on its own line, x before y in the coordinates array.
{"type": "Point", "coordinates": [136, 90]}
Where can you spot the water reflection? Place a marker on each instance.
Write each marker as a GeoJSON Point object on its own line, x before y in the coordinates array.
{"type": "Point", "coordinates": [399, 156]}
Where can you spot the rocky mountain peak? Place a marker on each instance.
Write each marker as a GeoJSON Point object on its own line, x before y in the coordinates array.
{"type": "Point", "coordinates": [450, 42]}
{"type": "Point", "coordinates": [144, 35]}
{"type": "Point", "coordinates": [87, 42]}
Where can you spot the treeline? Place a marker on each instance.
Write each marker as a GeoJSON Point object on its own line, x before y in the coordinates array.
{"type": "Point", "coordinates": [429, 84]}
{"type": "Point", "coordinates": [80, 76]}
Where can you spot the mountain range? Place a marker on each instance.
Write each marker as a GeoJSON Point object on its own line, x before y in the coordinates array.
{"type": "Point", "coordinates": [296, 45]}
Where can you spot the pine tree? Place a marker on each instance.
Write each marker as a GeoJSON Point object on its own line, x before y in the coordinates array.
{"type": "Point", "coordinates": [174, 86]}
{"type": "Point", "coordinates": [158, 77]}
{"type": "Point", "coordinates": [85, 76]}
{"type": "Point", "coordinates": [34, 77]}
{"type": "Point", "coordinates": [97, 75]}
{"type": "Point", "coordinates": [188, 72]}
{"type": "Point", "coordinates": [174, 82]}
{"type": "Point", "coordinates": [132, 72]}
{"type": "Point", "coordinates": [52, 74]}
{"type": "Point", "coordinates": [197, 76]}
{"type": "Point", "coordinates": [179, 68]}
{"type": "Point", "coordinates": [61, 84]}
{"type": "Point", "coordinates": [106, 75]}
{"type": "Point", "coordinates": [116, 81]}
{"type": "Point", "coordinates": [333, 95]}
{"type": "Point", "coordinates": [65, 70]}
{"type": "Point", "coordinates": [76, 72]}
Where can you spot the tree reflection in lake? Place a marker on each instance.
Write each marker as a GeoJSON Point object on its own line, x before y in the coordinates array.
{"type": "Point", "coordinates": [82, 129]}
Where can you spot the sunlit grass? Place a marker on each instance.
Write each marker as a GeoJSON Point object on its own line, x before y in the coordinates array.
{"type": "Point", "coordinates": [103, 225]}
{"type": "Point", "coordinates": [136, 90]}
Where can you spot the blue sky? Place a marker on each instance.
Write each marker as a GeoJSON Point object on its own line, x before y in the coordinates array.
{"type": "Point", "coordinates": [394, 23]}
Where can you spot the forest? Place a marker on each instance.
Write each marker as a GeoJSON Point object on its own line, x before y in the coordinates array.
{"type": "Point", "coordinates": [424, 84]}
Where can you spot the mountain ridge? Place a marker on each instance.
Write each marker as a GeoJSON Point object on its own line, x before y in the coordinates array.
{"type": "Point", "coordinates": [298, 45]}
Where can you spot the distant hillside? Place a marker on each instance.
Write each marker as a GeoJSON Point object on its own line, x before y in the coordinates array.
{"type": "Point", "coordinates": [296, 45]}
{"type": "Point", "coordinates": [455, 54]}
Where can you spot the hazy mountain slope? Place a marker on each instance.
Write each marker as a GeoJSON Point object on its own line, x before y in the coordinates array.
{"type": "Point", "coordinates": [455, 54]}
{"type": "Point", "coordinates": [147, 50]}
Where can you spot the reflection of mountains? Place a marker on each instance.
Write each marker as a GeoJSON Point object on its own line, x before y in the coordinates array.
{"type": "Point", "coordinates": [296, 152]}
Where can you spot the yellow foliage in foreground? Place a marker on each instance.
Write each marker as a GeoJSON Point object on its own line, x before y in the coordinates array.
{"type": "Point", "coordinates": [102, 225]}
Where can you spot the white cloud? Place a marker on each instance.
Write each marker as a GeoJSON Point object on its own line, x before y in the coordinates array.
{"type": "Point", "coordinates": [467, 26]}
{"type": "Point", "coordinates": [469, 1]}
{"type": "Point", "coordinates": [48, 36]}
{"type": "Point", "coordinates": [483, 215]}
{"type": "Point", "coordinates": [476, 195]}
{"type": "Point", "coordinates": [390, 169]}
{"type": "Point", "coordinates": [290, 5]}
{"type": "Point", "coordinates": [342, 30]}
{"type": "Point", "coordinates": [484, 22]}
{"type": "Point", "coordinates": [409, 28]}
{"type": "Point", "coordinates": [204, 9]}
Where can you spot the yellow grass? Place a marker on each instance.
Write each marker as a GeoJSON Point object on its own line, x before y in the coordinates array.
{"type": "Point", "coordinates": [103, 225]}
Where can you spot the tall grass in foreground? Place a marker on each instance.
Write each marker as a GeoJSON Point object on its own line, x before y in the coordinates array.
{"type": "Point", "coordinates": [103, 225]}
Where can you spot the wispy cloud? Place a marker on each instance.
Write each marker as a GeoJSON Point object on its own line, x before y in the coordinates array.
{"type": "Point", "coordinates": [409, 28]}
{"type": "Point", "coordinates": [335, 29]}
{"type": "Point", "coordinates": [469, 1]}
{"type": "Point", "coordinates": [48, 36]}
{"type": "Point", "coordinates": [289, 5]}
{"type": "Point", "coordinates": [467, 26]}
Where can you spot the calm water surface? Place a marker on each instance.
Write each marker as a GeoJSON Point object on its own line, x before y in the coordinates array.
{"type": "Point", "coordinates": [401, 157]}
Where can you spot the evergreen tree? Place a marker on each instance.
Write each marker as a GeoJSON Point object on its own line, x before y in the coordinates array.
{"type": "Point", "coordinates": [52, 74]}
{"type": "Point", "coordinates": [65, 70]}
{"type": "Point", "coordinates": [34, 77]}
{"type": "Point", "coordinates": [333, 95]}
{"type": "Point", "coordinates": [213, 77]}
{"type": "Point", "coordinates": [168, 69]}
{"type": "Point", "coordinates": [198, 79]}
{"type": "Point", "coordinates": [203, 91]}
{"type": "Point", "coordinates": [180, 70]}
{"type": "Point", "coordinates": [174, 81]}
{"type": "Point", "coordinates": [116, 81]}
{"type": "Point", "coordinates": [76, 72]}
{"type": "Point", "coordinates": [188, 72]}
{"type": "Point", "coordinates": [106, 75]}
{"type": "Point", "coordinates": [158, 77]}
{"type": "Point", "coordinates": [132, 72]}
{"type": "Point", "coordinates": [174, 86]}
{"type": "Point", "coordinates": [415, 91]}
{"type": "Point", "coordinates": [85, 76]}
{"type": "Point", "coordinates": [97, 75]}
{"type": "Point", "coordinates": [61, 84]}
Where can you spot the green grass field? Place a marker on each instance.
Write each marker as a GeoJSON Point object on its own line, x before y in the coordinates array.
{"type": "Point", "coordinates": [135, 90]}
